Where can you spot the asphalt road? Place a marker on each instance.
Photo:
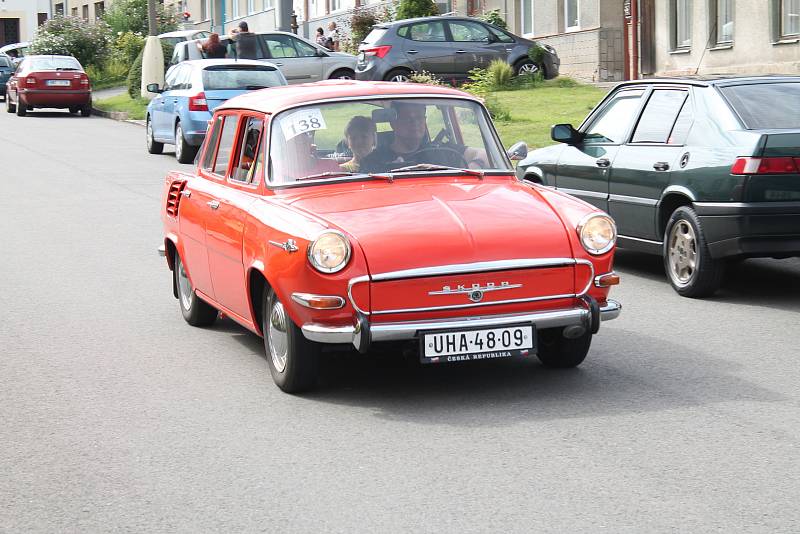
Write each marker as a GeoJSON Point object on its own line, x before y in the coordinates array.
{"type": "Point", "coordinates": [116, 416]}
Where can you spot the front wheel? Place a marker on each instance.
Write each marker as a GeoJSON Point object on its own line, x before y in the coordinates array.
{"type": "Point", "coordinates": [22, 109]}
{"type": "Point", "coordinates": [195, 311]}
{"type": "Point", "coordinates": [527, 67]}
{"type": "Point", "coordinates": [184, 152]}
{"type": "Point", "coordinates": [688, 262]}
{"type": "Point", "coordinates": [556, 351]}
{"type": "Point", "coordinates": [10, 108]}
{"type": "Point", "coordinates": [293, 360]}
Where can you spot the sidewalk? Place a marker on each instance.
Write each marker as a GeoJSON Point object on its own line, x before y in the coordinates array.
{"type": "Point", "coordinates": [109, 92]}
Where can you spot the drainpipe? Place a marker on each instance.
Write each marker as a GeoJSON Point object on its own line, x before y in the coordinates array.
{"type": "Point", "coordinates": [626, 48]}
{"type": "Point", "coordinates": [635, 39]}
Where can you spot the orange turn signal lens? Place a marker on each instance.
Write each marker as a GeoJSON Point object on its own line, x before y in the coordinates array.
{"type": "Point", "coordinates": [606, 280]}
{"type": "Point", "coordinates": [318, 302]}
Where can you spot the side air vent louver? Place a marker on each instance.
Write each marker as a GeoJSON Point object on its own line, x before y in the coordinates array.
{"type": "Point", "coordinates": [174, 197]}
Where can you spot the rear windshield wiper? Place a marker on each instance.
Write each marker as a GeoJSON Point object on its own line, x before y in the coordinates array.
{"type": "Point", "coordinates": [254, 87]}
{"type": "Point", "coordinates": [432, 167]}
{"type": "Point", "coordinates": [67, 68]}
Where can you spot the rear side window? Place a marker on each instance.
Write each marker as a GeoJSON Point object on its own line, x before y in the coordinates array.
{"type": "Point", "coordinates": [248, 163]}
{"type": "Point", "coordinates": [226, 142]}
{"type": "Point", "coordinates": [614, 119]}
{"type": "Point", "coordinates": [376, 33]}
{"type": "Point", "coordinates": [682, 125]}
{"type": "Point", "coordinates": [427, 31]}
{"type": "Point", "coordinates": [766, 105]}
{"type": "Point", "coordinates": [211, 145]}
{"type": "Point", "coordinates": [659, 116]}
{"type": "Point", "coordinates": [240, 77]}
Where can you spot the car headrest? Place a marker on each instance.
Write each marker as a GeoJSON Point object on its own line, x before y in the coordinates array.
{"type": "Point", "coordinates": [383, 115]}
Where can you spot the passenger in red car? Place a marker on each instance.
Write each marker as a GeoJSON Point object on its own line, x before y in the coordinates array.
{"type": "Point", "coordinates": [302, 159]}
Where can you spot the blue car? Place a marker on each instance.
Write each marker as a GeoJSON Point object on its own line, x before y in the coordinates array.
{"type": "Point", "coordinates": [192, 90]}
{"type": "Point", "coordinates": [6, 70]}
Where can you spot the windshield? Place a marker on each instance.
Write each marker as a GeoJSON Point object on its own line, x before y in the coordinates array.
{"type": "Point", "coordinates": [383, 135]}
{"type": "Point", "coordinates": [54, 63]}
{"type": "Point", "coordinates": [240, 77]}
{"type": "Point", "coordinates": [766, 105]}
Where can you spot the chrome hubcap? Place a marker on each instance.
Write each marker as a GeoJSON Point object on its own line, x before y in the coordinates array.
{"type": "Point", "coordinates": [529, 68]}
{"type": "Point", "coordinates": [278, 338]}
{"type": "Point", "coordinates": [184, 286]}
{"type": "Point", "coordinates": [399, 78]}
{"type": "Point", "coordinates": [682, 252]}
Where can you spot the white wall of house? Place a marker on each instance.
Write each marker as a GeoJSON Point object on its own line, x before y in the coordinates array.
{"type": "Point", "coordinates": [27, 13]}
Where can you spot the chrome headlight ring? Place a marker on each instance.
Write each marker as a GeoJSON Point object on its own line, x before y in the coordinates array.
{"type": "Point", "coordinates": [589, 228]}
{"type": "Point", "coordinates": [344, 254]}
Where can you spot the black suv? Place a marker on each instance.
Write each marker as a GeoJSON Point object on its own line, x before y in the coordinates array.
{"type": "Point", "coordinates": [699, 171]}
{"type": "Point", "coordinates": [447, 47]}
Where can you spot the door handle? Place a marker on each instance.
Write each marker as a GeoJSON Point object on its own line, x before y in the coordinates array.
{"type": "Point", "coordinates": [213, 204]}
{"type": "Point", "coordinates": [411, 51]}
{"type": "Point", "coordinates": [603, 162]}
{"type": "Point", "coordinates": [175, 101]}
{"type": "Point", "coordinates": [186, 193]}
{"type": "Point", "coordinates": [461, 51]}
{"type": "Point", "coordinates": [661, 166]}
{"type": "Point", "coordinates": [279, 64]}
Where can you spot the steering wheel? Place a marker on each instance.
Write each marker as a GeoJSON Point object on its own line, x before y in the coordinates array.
{"type": "Point", "coordinates": [441, 155]}
{"type": "Point", "coordinates": [438, 140]}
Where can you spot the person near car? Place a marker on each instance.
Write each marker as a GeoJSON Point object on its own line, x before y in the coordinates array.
{"type": "Point", "coordinates": [332, 43]}
{"type": "Point", "coordinates": [410, 140]}
{"type": "Point", "coordinates": [212, 48]}
{"type": "Point", "coordinates": [361, 137]}
{"type": "Point", "coordinates": [321, 40]}
{"type": "Point", "coordinates": [246, 42]}
{"type": "Point", "coordinates": [301, 157]}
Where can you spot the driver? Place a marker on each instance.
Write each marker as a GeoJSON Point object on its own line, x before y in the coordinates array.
{"type": "Point", "coordinates": [410, 144]}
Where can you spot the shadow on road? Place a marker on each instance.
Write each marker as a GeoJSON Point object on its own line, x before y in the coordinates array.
{"type": "Point", "coordinates": [52, 115]}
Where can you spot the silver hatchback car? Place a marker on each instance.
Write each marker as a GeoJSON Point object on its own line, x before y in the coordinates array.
{"type": "Point", "coordinates": [300, 60]}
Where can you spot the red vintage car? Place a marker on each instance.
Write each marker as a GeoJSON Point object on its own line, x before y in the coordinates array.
{"type": "Point", "coordinates": [355, 213]}
{"type": "Point", "coordinates": [49, 82]}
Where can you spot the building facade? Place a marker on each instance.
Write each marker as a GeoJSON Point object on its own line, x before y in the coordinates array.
{"type": "Point", "coordinates": [20, 18]}
{"type": "Point", "coordinates": [726, 36]}
{"type": "Point", "coordinates": [85, 9]}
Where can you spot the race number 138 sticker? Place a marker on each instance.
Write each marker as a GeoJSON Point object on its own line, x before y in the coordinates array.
{"type": "Point", "coordinates": [303, 121]}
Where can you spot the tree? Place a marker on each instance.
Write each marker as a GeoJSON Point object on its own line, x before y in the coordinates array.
{"type": "Point", "coordinates": [90, 43]}
{"type": "Point", "coordinates": [131, 16]}
{"type": "Point", "coordinates": [410, 9]}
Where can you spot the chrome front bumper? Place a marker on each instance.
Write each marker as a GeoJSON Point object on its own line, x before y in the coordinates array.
{"type": "Point", "coordinates": [364, 333]}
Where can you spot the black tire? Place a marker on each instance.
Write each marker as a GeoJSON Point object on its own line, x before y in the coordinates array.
{"type": "Point", "coordinates": [153, 146]}
{"type": "Point", "coordinates": [558, 352]}
{"type": "Point", "coordinates": [527, 66]}
{"type": "Point", "coordinates": [343, 74]}
{"type": "Point", "coordinates": [10, 108]}
{"type": "Point", "coordinates": [300, 369]}
{"type": "Point", "coordinates": [86, 111]}
{"type": "Point", "coordinates": [401, 75]}
{"type": "Point", "coordinates": [195, 311]}
{"type": "Point", "coordinates": [74, 109]}
{"type": "Point", "coordinates": [184, 152]}
{"type": "Point", "coordinates": [687, 260]}
{"type": "Point", "coordinates": [22, 109]}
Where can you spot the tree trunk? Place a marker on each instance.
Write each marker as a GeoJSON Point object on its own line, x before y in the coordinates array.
{"type": "Point", "coordinates": [152, 22]}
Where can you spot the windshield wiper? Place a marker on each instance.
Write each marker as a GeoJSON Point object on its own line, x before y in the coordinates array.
{"type": "Point", "coordinates": [66, 68]}
{"type": "Point", "coordinates": [254, 87]}
{"type": "Point", "coordinates": [432, 167]}
{"type": "Point", "coordinates": [339, 174]}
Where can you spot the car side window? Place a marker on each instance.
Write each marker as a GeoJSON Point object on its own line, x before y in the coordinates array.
{"type": "Point", "coordinates": [211, 145]}
{"type": "Point", "coordinates": [226, 144]}
{"type": "Point", "coordinates": [427, 31]}
{"type": "Point", "coordinates": [184, 78]}
{"type": "Point", "coordinates": [680, 132]}
{"type": "Point", "coordinates": [280, 46]}
{"type": "Point", "coordinates": [614, 119]}
{"type": "Point", "coordinates": [501, 36]}
{"type": "Point", "coordinates": [245, 167]}
{"type": "Point", "coordinates": [303, 49]}
{"type": "Point", "coordinates": [463, 31]}
{"type": "Point", "coordinates": [659, 116]}
{"type": "Point", "coordinates": [172, 75]}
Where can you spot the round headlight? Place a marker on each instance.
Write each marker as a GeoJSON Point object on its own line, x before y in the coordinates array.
{"type": "Point", "coordinates": [597, 233]}
{"type": "Point", "coordinates": [329, 252]}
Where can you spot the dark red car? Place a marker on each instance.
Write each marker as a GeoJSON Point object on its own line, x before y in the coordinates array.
{"type": "Point", "coordinates": [49, 82]}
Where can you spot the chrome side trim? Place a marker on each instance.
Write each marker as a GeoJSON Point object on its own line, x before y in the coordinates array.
{"type": "Point", "coordinates": [350, 284]}
{"type": "Point", "coordinates": [632, 200]}
{"type": "Point", "coordinates": [478, 267]}
{"type": "Point", "coordinates": [289, 246]}
{"type": "Point", "coordinates": [610, 310]}
{"type": "Point", "coordinates": [304, 298]}
{"type": "Point", "coordinates": [475, 304]}
{"type": "Point", "coordinates": [328, 334]}
{"type": "Point", "coordinates": [582, 193]}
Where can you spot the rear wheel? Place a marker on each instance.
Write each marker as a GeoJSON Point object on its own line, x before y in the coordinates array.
{"type": "Point", "coordinates": [293, 360]}
{"type": "Point", "coordinates": [343, 74]}
{"type": "Point", "coordinates": [556, 351]}
{"type": "Point", "coordinates": [184, 152]}
{"type": "Point", "coordinates": [22, 109]}
{"type": "Point", "coordinates": [688, 262]}
{"type": "Point", "coordinates": [86, 111]}
{"type": "Point", "coordinates": [74, 109]}
{"type": "Point", "coordinates": [398, 75]}
{"type": "Point", "coordinates": [153, 146]}
{"type": "Point", "coordinates": [195, 311]}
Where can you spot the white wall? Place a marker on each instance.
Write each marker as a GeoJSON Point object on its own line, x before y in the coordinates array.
{"type": "Point", "coordinates": [26, 11]}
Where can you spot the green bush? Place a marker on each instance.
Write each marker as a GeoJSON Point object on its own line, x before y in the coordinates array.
{"type": "Point", "coordinates": [112, 74]}
{"type": "Point", "coordinates": [131, 16]}
{"type": "Point", "coordinates": [424, 77]}
{"type": "Point", "coordinates": [127, 46]}
{"type": "Point", "coordinates": [90, 43]}
{"type": "Point", "coordinates": [494, 17]}
{"type": "Point", "coordinates": [135, 77]}
{"type": "Point", "coordinates": [409, 9]}
{"type": "Point", "coordinates": [501, 74]}
{"type": "Point", "coordinates": [536, 54]}
{"type": "Point", "coordinates": [361, 24]}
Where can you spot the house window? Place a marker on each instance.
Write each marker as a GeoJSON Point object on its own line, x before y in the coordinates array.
{"type": "Point", "coordinates": [235, 9]}
{"type": "Point", "coordinates": [683, 23]}
{"type": "Point", "coordinates": [85, 12]}
{"type": "Point", "coordinates": [336, 5]}
{"type": "Point", "coordinates": [790, 18]}
{"type": "Point", "coordinates": [724, 21]}
{"type": "Point", "coordinates": [60, 9]}
{"type": "Point", "coordinates": [571, 18]}
{"type": "Point", "coordinates": [74, 12]}
{"type": "Point", "coordinates": [204, 10]}
{"type": "Point", "coordinates": [267, 4]}
{"type": "Point", "coordinates": [251, 6]}
{"type": "Point", "coordinates": [527, 17]}
{"type": "Point", "coordinates": [99, 10]}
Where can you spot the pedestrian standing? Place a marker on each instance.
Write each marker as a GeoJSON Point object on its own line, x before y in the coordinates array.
{"type": "Point", "coordinates": [246, 42]}
{"type": "Point", "coordinates": [321, 40]}
{"type": "Point", "coordinates": [333, 36]}
{"type": "Point", "coordinates": [212, 48]}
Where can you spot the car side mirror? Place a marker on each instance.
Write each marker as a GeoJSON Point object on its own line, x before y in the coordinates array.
{"type": "Point", "coordinates": [518, 151]}
{"type": "Point", "coordinates": [320, 53]}
{"type": "Point", "coordinates": [154, 88]}
{"type": "Point", "coordinates": [565, 133]}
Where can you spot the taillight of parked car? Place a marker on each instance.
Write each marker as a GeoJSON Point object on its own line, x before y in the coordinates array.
{"type": "Point", "coordinates": [378, 51]}
{"type": "Point", "coordinates": [30, 80]}
{"type": "Point", "coordinates": [776, 165]}
{"type": "Point", "coordinates": [84, 80]}
{"type": "Point", "coordinates": [198, 102]}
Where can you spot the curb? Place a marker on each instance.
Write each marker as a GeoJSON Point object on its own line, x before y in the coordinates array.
{"type": "Point", "coordinates": [121, 116]}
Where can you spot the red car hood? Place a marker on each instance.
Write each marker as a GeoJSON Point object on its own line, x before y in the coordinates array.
{"type": "Point", "coordinates": [424, 222]}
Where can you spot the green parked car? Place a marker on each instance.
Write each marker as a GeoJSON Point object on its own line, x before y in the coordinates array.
{"type": "Point", "coordinates": [698, 171]}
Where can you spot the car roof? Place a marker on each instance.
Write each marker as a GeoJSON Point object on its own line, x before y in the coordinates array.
{"type": "Point", "coordinates": [203, 63]}
{"type": "Point", "coordinates": [51, 56]}
{"type": "Point", "coordinates": [721, 80]}
{"type": "Point", "coordinates": [14, 46]}
{"type": "Point", "coordinates": [180, 33]}
{"type": "Point", "coordinates": [427, 19]}
{"type": "Point", "coordinates": [277, 99]}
